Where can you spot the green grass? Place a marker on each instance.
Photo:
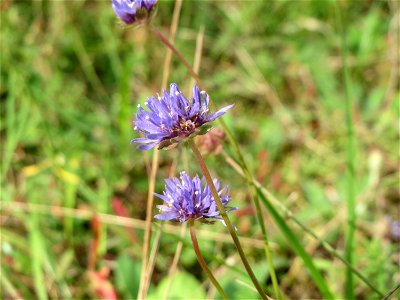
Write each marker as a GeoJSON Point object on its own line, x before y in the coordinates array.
{"type": "Point", "coordinates": [71, 78]}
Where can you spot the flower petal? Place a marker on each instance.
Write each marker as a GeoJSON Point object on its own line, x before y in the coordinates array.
{"type": "Point", "coordinates": [219, 113]}
{"type": "Point", "coordinates": [147, 146]}
{"type": "Point", "coordinates": [167, 216]}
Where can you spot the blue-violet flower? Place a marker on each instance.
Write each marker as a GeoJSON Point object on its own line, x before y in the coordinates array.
{"type": "Point", "coordinates": [130, 11]}
{"type": "Point", "coordinates": [186, 199]}
{"type": "Point", "coordinates": [172, 118]}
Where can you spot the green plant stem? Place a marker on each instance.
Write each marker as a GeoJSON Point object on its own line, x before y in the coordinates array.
{"type": "Point", "coordinates": [240, 156]}
{"type": "Point", "coordinates": [392, 292]}
{"type": "Point", "coordinates": [351, 193]}
{"type": "Point", "coordinates": [203, 263]}
{"type": "Point", "coordinates": [225, 217]}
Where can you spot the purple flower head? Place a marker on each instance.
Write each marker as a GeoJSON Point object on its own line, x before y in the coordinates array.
{"type": "Point", "coordinates": [187, 199]}
{"type": "Point", "coordinates": [130, 11]}
{"type": "Point", "coordinates": [172, 118]}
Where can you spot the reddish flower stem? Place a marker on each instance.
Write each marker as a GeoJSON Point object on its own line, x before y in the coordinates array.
{"type": "Point", "coordinates": [203, 263]}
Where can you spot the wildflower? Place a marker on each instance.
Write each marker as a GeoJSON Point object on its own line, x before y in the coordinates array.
{"type": "Point", "coordinates": [130, 11]}
{"type": "Point", "coordinates": [172, 118]}
{"type": "Point", "coordinates": [186, 199]}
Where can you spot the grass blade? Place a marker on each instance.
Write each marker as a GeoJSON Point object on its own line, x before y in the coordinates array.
{"type": "Point", "coordinates": [350, 163]}
{"type": "Point", "coordinates": [8, 286]}
{"type": "Point", "coordinates": [297, 247]}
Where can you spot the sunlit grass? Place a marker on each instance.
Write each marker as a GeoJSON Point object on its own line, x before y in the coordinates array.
{"type": "Point", "coordinates": [71, 77]}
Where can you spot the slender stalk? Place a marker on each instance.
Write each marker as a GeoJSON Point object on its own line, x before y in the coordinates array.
{"type": "Point", "coordinates": [391, 292]}
{"type": "Point", "coordinates": [147, 233]}
{"type": "Point", "coordinates": [168, 54]}
{"type": "Point", "coordinates": [233, 142]}
{"type": "Point", "coordinates": [266, 244]}
{"type": "Point", "coordinates": [177, 53]}
{"type": "Point", "coordinates": [225, 217]}
{"type": "Point", "coordinates": [152, 258]}
{"type": "Point", "coordinates": [203, 263]}
{"type": "Point", "coordinates": [351, 192]}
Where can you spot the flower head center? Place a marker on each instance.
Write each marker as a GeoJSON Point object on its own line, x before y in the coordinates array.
{"type": "Point", "coordinates": [187, 125]}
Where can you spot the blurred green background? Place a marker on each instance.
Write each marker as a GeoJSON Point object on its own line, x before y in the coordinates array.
{"type": "Point", "coordinates": [71, 78]}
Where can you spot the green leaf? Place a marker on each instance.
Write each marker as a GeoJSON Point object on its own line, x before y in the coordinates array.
{"type": "Point", "coordinates": [127, 276]}
{"type": "Point", "coordinates": [237, 287]}
{"type": "Point", "coordinates": [184, 286]}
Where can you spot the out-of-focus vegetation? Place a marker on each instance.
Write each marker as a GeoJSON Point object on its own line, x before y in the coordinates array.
{"type": "Point", "coordinates": [71, 77]}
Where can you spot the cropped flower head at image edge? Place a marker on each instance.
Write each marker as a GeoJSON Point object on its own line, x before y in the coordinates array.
{"type": "Point", "coordinates": [191, 198]}
{"type": "Point", "coordinates": [172, 118]}
{"type": "Point", "coordinates": [131, 11]}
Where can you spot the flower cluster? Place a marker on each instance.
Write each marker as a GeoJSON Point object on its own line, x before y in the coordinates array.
{"type": "Point", "coordinates": [172, 118]}
{"type": "Point", "coordinates": [186, 199]}
{"type": "Point", "coordinates": [130, 11]}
